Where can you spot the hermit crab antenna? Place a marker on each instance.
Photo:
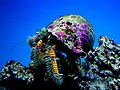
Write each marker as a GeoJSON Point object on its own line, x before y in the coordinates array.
{"type": "Point", "coordinates": [14, 46]}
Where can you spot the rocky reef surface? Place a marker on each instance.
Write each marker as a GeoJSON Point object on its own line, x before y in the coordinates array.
{"type": "Point", "coordinates": [103, 66]}
{"type": "Point", "coordinates": [56, 53]}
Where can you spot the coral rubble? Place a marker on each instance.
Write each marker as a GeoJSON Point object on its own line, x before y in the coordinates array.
{"type": "Point", "coordinates": [102, 67]}
{"type": "Point", "coordinates": [104, 61]}
{"type": "Point", "coordinates": [14, 72]}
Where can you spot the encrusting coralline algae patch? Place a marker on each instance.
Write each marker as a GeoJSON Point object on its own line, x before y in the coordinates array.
{"type": "Point", "coordinates": [56, 59]}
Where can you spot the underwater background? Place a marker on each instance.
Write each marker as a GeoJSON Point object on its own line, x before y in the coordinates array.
{"type": "Point", "coordinates": [21, 18]}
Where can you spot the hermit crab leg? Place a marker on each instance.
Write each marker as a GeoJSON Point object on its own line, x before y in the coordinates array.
{"type": "Point", "coordinates": [52, 66]}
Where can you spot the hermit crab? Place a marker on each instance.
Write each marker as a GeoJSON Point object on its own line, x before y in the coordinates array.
{"type": "Point", "coordinates": [60, 45]}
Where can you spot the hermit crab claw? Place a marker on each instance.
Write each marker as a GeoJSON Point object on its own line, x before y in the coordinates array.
{"type": "Point", "coordinates": [83, 54]}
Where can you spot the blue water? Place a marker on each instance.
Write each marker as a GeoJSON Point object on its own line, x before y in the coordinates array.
{"type": "Point", "coordinates": [20, 19]}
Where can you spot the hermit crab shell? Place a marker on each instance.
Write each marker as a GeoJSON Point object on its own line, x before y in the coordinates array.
{"type": "Point", "coordinates": [74, 31]}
